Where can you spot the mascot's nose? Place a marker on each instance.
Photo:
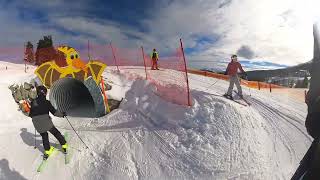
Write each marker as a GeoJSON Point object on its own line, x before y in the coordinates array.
{"type": "Point", "coordinates": [78, 63]}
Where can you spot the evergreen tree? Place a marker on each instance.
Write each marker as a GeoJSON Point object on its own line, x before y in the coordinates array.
{"type": "Point", "coordinates": [45, 50]}
{"type": "Point", "coordinates": [29, 55]}
{"type": "Point", "coordinates": [29, 45]}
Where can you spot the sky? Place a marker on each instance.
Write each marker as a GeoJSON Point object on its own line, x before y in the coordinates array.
{"type": "Point", "coordinates": [265, 34]}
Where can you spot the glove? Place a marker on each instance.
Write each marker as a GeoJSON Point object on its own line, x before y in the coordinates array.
{"type": "Point", "coordinates": [245, 76]}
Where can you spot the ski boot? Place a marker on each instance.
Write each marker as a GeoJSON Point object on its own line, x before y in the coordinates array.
{"type": "Point", "coordinates": [48, 153]}
{"type": "Point", "coordinates": [241, 96]}
{"type": "Point", "coordinates": [228, 96]}
{"type": "Point", "coordinates": [64, 148]}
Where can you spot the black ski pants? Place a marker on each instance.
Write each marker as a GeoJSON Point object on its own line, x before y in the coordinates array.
{"type": "Point", "coordinates": [45, 138]}
{"type": "Point", "coordinates": [309, 167]}
{"type": "Point", "coordinates": [314, 164]}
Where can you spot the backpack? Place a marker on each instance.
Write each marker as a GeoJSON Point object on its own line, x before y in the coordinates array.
{"type": "Point", "coordinates": [25, 107]}
{"type": "Point", "coordinates": [154, 55]}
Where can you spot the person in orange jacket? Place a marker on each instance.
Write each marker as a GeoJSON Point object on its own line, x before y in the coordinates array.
{"type": "Point", "coordinates": [155, 59]}
{"type": "Point", "coordinates": [232, 71]}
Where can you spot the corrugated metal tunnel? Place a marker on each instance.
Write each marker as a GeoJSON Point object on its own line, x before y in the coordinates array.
{"type": "Point", "coordinates": [76, 98]}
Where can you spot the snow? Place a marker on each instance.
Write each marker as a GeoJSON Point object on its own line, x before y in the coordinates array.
{"type": "Point", "coordinates": [150, 138]}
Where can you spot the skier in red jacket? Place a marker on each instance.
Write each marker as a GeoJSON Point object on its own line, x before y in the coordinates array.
{"type": "Point", "coordinates": [232, 71]}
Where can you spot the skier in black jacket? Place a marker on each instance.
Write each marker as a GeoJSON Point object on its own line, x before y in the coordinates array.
{"type": "Point", "coordinates": [39, 112]}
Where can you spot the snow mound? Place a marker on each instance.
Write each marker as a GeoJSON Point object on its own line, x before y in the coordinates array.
{"type": "Point", "coordinates": [151, 138]}
{"type": "Point", "coordinates": [214, 138]}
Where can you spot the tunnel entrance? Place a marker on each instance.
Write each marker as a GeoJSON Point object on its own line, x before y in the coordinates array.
{"type": "Point", "coordinates": [72, 96]}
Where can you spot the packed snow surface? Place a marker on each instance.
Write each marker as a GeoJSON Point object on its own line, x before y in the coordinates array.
{"type": "Point", "coordinates": [150, 138]}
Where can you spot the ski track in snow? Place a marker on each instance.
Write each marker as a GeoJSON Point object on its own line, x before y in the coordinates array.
{"type": "Point", "coordinates": [149, 138]}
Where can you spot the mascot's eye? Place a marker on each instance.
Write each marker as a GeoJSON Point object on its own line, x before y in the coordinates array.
{"type": "Point", "coordinates": [76, 55]}
{"type": "Point", "coordinates": [72, 57]}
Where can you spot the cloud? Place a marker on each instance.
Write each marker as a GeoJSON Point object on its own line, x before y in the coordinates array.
{"type": "Point", "coordinates": [246, 52]}
{"type": "Point", "coordinates": [275, 31]}
{"type": "Point", "coordinates": [268, 30]}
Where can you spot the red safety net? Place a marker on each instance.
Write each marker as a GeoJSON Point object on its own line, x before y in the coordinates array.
{"type": "Point", "coordinates": [122, 58]}
{"type": "Point", "coordinates": [31, 56]}
{"type": "Point", "coordinates": [134, 63]}
{"type": "Point", "coordinates": [96, 52]}
{"type": "Point", "coordinates": [171, 78]}
{"type": "Point", "coordinates": [128, 58]}
{"type": "Point", "coordinates": [12, 54]}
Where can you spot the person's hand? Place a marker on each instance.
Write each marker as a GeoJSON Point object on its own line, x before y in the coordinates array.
{"type": "Point", "coordinates": [245, 76]}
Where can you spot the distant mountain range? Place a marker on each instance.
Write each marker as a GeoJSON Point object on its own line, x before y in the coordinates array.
{"type": "Point", "coordinates": [298, 70]}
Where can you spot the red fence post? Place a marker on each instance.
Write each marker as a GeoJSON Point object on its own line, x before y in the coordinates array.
{"type": "Point", "coordinates": [258, 85]}
{"type": "Point", "coordinates": [25, 58]}
{"type": "Point", "coordinates": [114, 57]}
{"type": "Point", "coordinates": [104, 95]}
{"type": "Point", "coordinates": [144, 62]}
{"type": "Point", "coordinates": [185, 67]}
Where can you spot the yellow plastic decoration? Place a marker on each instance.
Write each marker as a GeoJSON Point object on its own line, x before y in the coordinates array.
{"type": "Point", "coordinates": [50, 72]}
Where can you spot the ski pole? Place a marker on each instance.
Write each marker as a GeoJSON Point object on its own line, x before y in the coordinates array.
{"type": "Point", "coordinates": [35, 140]}
{"type": "Point", "coordinates": [248, 85]}
{"type": "Point", "coordinates": [76, 132]}
{"type": "Point", "coordinates": [212, 84]}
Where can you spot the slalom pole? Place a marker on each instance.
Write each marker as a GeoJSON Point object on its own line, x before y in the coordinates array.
{"type": "Point", "coordinates": [185, 68]}
{"type": "Point", "coordinates": [35, 140]}
{"type": "Point", "coordinates": [114, 56]}
{"type": "Point", "coordinates": [144, 62]}
{"type": "Point", "coordinates": [76, 133]}
{"type": "Point", "coordinates": [25, 58]}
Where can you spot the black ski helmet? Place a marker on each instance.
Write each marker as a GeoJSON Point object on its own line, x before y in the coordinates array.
{"type": "Point", "coordinates": [42, 90]}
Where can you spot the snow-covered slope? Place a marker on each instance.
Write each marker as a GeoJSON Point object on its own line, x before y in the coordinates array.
{"type": "Point", "coordinates": [150, 138]}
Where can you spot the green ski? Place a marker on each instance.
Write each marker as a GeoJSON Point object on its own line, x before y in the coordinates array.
{"type": "Point", "coordinates": [44, 162]}
{"type": "Point", "coordinates": [67, 154]}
